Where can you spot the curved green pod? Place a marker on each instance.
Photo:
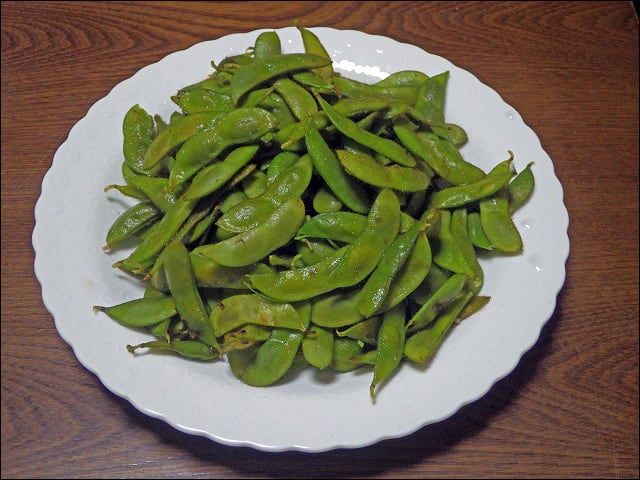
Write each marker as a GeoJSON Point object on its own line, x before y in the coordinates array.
{"type": "Point", "coordinates": [397, 177]}
{"type": "Point", "coordinates": [339, 226]}
{"type": "Point", "coordinates": [240, 126]}
{"type": "Point", "coordinates": [242, 309]}
{"type": "Point", "coordinates": [290, 183]}
{"type": "Point", "coordinates": [385, 146]}
{"type": "Point", "coordinates": [249, 76]}
{"type": "Point", "coordinates": [138, 130]}
{"type": "Point", "coordinates": [391, 339]}
{"type": "Point", "coordinates": [336, 309]}
{"type": "Point", "coordinates": [255, 244]}
{"type": "Point", "coordinates": [498, 225]}
{"type": "Point", "coordinates": [345, 188]}
{"type": "Point", "coordinates": [177, 132]}
{"type": "Point", "coordinates": [185, 293]}
{"type": "Point", "coordinates": [317, 346]}
{"type": "Point", "coordinates": [273, 358]}
{"type": "Point", "coordinates": [211, 178]}
{"type": "Point", "coordinates": [141, 312]}
{"type": "Point", "coordinates": [130, 222]}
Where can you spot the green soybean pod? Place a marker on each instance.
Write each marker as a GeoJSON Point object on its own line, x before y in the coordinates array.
{"type": "Point", "coordinates": [451, 289]}
{"type": "Point", "coordinates": [344, 350]}
{"type": "Point", "coordinates": [376, 287]}
{"type": "Point", "coordinates": [192, 349]}
{"type": "Point", "coordinates": [141, 312]}
{"type": "Point", "coordinates": [365, 330]}
{"type": "Point", "coordinates": [460, 234]}
{"type": "Point", "coordinates": [273, 358]}
{"type": "Point", "coordinates": [179, 130]}
{"type": "Point", "coordinates": [475, 304]}
{"type": "Point", "coordinates": [325, 162]}
{"type": "Point", "coordinates": [313, 45]}
{"type": "Point", "coordinates": [347, 267]}
{"type": "Point", "coordinates": [383, 224]}
{"type": "Point", "coordinates": [521, 188]}
{"type": "Point", "coordinates": [397, 177]}
{"type": "Point", "coordinates": [267, 45]}
{"type": "Point", "coordinates": [249, 76]}
{"type": "Point", "coordinates": [244, 309]}
{"type": "Point", "coordinates": [279, 163]}
{"type": "Point", "coordinates": [336, 309]}
{"type": "Point", "coordinates": [211, 274]}
{"type": "Point", "coordinates": [202, 100]}
{"type": "Point", "coordinates": [244, 339]}
{"type": "Point", "coordinates": [158, 236]}
{"type": "Point", "coordinates": [411, 275]}
{"type": "Point", "coordinates": [348, 87]}
{"type": "Point", "coordinates": [438, 154]}
{"type": "Point", "coordinates": [312, 251]}
{"type": "Point", "coordinates": [325, 201]}
{"type": "Point", "coordinates": [476, 234]}
{"type": "Point", "coordinates": [460, 195]}
{"type": "Point", "coordinates": [448, 254]}
{"type": "Point", "coordinates": [211, 178]}
{"type": "Point", "coordinates": [311, 80]}
{"type": "Point", "coordinates": [159, 330]}
{"type": "Point", "coordinates": [255, 244]}
{"type": "Point", "coordinates": [391, 340]}
{"type": "Point", "coordinates": [339, 226]}
{"type": "Point", "coordinates": [413, 78]}
{"type": "Point", "coordinates": [239, 359]}
{"type": "Point", "coordinates": [253, 333]}
{"type": "Point", "coordinates": [291, 182]}
{"type": "Point", "coordinates": [498, 225]}
{"type": "Point", "coordinates": [299, 99]}
{"type": "Point", "coordinates": [240, 126]}
{"type": "Point", "coordinates": [130, 222]}
{"type": "Point", "coordinates": [384, 146]}
{"type": "Point", "coordinates": [156, 189]}
{"type": "Point", "coordinates": [431, 97]}
{"type": "Point", "coordinates": [271, 101]}
{"type": "Point", "coordinates": [138, 131]}
{"type": "Point", "coordinates": [421, 346]}
{"type": "Point", "coordinates": [184, 291]}
{"type": "Point", "coordinates": [317, 346]}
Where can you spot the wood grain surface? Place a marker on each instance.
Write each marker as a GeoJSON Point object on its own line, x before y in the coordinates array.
{"type": "Point", "coordinates": [570, 408]}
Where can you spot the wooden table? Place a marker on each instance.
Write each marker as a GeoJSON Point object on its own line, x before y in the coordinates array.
{"type": "Point", "coordinates": [570, 409]}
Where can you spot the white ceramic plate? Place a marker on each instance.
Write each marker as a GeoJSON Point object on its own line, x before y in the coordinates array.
{"type": "Point", "coordinates": [311, 412]}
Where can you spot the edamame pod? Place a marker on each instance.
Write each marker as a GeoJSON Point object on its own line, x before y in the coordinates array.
{"type": "Point", "coordinates": [255, 244]}
{"type": "Point", "coordinates": [317, 347]}
{"type": "Point", "coordinates": [138, 130]}
{"type": "Point", "coordinates": [391, 339]}
{"type": "Point", "coordinates": [243, 125]}
{"type": "Point", "coordinates": [242, 309]}
{"type": "Point", "coordinates": [178, 131]}
{"type": "Point", "coordinates": [211, 178]}
{"type": "Point", "coordinates": [498, 226]}
{"type": "Point", "coordinates": [366, 169]}
{"type": "Point", "coordinates": [259, 71]}
{"type": "Point", "coordinates": [141, 312]}
{"type": "Point", "coordinates": [273, 358]}
{"type": "Point", "coordinates": [384, 146]}
{"type": "Point", "coordinates": [329, 168]}
{"type": "Point", "coordinates": [421, 346]}
{"type": "Point", "coordinates": [185, 294]}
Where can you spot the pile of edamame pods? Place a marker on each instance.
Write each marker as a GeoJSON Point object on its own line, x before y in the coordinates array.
{"type": "Point", "coordinates": [287, 215]}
